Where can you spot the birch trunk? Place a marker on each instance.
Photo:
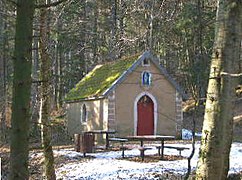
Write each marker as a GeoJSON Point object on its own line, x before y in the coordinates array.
{"type": "Point", "coordinates": [218, 120]}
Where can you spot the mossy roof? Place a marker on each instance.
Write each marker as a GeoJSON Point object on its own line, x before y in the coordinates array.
{"type": "Point", "coordinates": [101, 78]}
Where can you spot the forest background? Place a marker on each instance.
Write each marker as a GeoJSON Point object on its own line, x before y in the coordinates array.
{"type": "Point", "coordinates": [71, 37]}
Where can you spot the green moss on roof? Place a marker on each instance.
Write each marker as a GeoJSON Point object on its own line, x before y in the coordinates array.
{"type": "Point", "coordinates": [96, 82]}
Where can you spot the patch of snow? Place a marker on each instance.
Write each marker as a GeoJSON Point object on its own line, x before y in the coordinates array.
{"type": "Point", "coordinates": [187, 134]}
{"type": "Point", "coordinates": [67, 153]}
{"type": "Point", "coordinates": [108, 165]}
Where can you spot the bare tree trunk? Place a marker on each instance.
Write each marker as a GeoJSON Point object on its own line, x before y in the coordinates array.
{"type": "Point", "coordinates": [189, 168]}
{"type": "Point", "coordinates": [83, 15]}
{"type": "Point", "coordinates": [95, 32]}
{"type": "Point", "coordinates": [35, 101]}
{"type": "Point", "coordinates": [150, 26]}
{"type": "Point", "coordinates": [58, 79]}
{"type": "Point", "coordinates": [3, 86]}
{"type": "Point", "coordinates": [113, 24]}
{"type": "Point", "coordinates": [218, 120]}
{"type": "Point", "coordinates": [19, 149]}
{"type": "Point", "coordinates": [121, 27]}
{"type": "Point", "coordinates": [49, 171]}
{"type": "Point", "coordinates": [232, 54]}
{"type": "Point", "coordinates": [60, 74]}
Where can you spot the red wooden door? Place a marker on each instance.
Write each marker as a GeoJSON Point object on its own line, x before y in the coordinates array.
{"type": "Point", "coordinates": [145, 124]}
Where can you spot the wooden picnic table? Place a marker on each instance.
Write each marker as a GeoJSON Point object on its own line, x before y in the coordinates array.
{"type": "Point", "coordinates": [143, 138]}
{"type": "Point", "coordinates": [106, 132]}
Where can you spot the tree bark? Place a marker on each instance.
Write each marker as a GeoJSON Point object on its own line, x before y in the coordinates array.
{"type": "Point", "coordinates": [218, 120]}
{"type": "Point", "coordinates": [95, 32]}
{"type": "Point", "coordinates": [49, 171]}
{"type": "Point", "coordinates": [60, 63]}
{"type": "Point", "coordinates": [113, 29]}
{"type": "Point", "coordinates": [3, 84]}
{"type": "Point", "coordinates": [231, 65]}
{"type": "Point", "coordinates": [150, 27]}
{"type": "Point", "coordinates": [21, 91]}
{"type": "Point", "coordinates": [122, 6]}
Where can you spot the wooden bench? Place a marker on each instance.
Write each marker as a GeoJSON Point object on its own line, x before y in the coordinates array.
{"type": "Point", "coordinates": [121, 141]}
{"type": "Point", "coordinates": [159, 149]}
{"type": "Point", "coordinates": [180, 149]}
{"type": "Point", "coordinates": [142, 151]}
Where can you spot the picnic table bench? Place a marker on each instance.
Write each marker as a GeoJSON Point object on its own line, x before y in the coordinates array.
{"type": "Point", "coordinates": [121, 141]}
{"type": "Point", "coordinates": [160, 138]}
{"type": "Point", "coordinates": [180, 149]}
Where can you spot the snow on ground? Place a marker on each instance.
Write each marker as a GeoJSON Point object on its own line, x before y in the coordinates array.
{"type": "Point", "coordinates": [109, 165]}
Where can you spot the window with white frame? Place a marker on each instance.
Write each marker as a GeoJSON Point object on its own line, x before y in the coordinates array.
{"type": "Point", "coordinates": [84, 113]}
{"type": "Point", "coordinates": [146, 62]}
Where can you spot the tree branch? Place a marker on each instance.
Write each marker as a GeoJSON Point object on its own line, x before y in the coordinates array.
{"type": "Point", "coordinates": [13, 2]}
{"type": "Point", "coordinates": [50, 4]}
{"type": "Point", "coordinates": [231, 75]}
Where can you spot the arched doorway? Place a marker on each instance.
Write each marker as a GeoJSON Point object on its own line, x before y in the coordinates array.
{"type": "Point", "coordinates": [145, 116]}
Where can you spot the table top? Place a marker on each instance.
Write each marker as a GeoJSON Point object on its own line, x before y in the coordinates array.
{"type": "Point", "coordinates": [150, 137]}
{"type": "Point", "coordinates": [101, 131]}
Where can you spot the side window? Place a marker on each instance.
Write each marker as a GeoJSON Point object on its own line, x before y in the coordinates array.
{"type": "Point", "coordinates": [84, 113]}
{"type": "Point", "coordinates": [146, 78]}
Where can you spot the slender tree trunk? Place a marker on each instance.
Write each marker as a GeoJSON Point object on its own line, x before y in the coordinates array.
{"type": "Point", "coordinates": [121, 27]}
{"type": "Point", "coordinates": [218, 120]}
{"type": "Point", "coordinates": [113, 25]}
{"type": "Point", "coordinates": [49, 171]}
{"type": "Point", "coordinates": [5, 92]}
{"type": "Point", "coordinates": [83, 16]}
{"type": "Point", "coordinates": [35, 101]}
{"type": "Point", "coordinates": [194, 117]}
{"type": "Point", "coordinates": [3, 102]}
{"type": "Point", "coordinates": [201, 81]}
{"type": "Point", "coordinates": [58, 66]}
{"type": "Point", "coordinates": [95, 32]}
{"type": "Point", "coordinates": [60, 73]}
{"type": "Point", "coordinates": [151, 21]}
{"type": "Point", "coordinates": [21, 91]}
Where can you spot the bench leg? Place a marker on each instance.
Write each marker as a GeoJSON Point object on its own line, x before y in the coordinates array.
{"type": "Point", "coordinates": [122, 153]}
{"type": "Point", "coordinates": [122, 147]}
{"type": "Point", "coordinates": [142, 155]}
{"type": "Point", "coordinates": [162, 150]}
{"type": "Point", "coordinates": [159, 148]}
{"type": "Point", "coordinates": [107, 141]}
{"type": "Point", "coordinates": [180, 152]}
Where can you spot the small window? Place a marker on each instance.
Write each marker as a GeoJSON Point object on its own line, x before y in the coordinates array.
{"type": "Point", "coordinates": [84, 114]}
{"type": "Point", "coordinates": [146, 78]}
{"type": "Point", "coordinates": [146, 62]}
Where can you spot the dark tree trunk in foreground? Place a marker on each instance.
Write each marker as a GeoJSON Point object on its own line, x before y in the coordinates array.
{"type": "Point", "coordinates": [45, 73]}
{"type": "Point", "coordinates": [21, 91]}
{"type": "Point", "coordinates": [218, 120]}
